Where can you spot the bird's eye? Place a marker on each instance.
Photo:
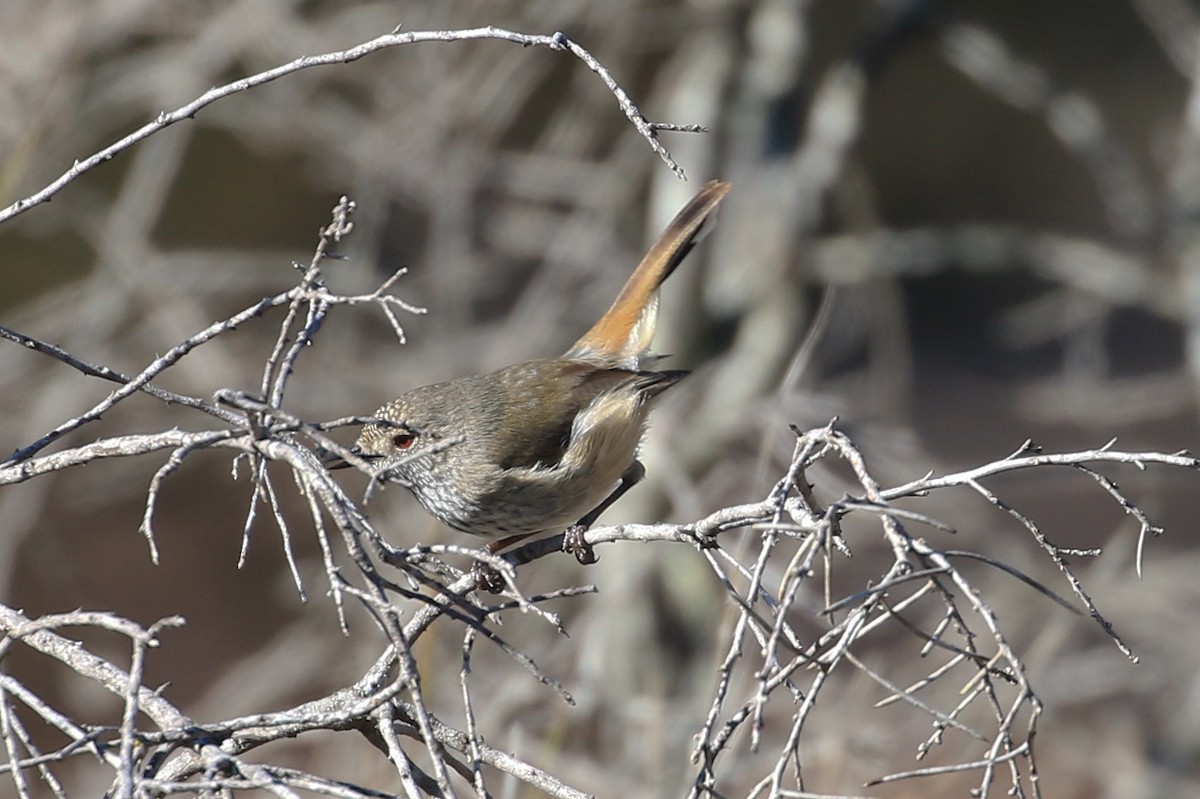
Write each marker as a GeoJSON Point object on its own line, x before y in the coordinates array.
{"type": "Point", "coordinates": [404, 440]}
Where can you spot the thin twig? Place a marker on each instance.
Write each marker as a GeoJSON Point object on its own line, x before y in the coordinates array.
{"type": "Point", "coordinates": [189, 110]}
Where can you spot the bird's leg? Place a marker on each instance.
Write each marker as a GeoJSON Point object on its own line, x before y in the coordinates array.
{"type": "Point", "coordinates": [573, 537]}
{"type": "Point", "coordinates": [488, 578]}
{"type": "Point", "coordinates": [504, 543]}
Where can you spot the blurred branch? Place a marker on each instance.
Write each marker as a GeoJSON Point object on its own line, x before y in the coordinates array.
{"type": "Point", "coordinates": [1071, 116]}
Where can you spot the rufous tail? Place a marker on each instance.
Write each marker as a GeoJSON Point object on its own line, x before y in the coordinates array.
{"type": "Point", "coordinates": [623, 334]}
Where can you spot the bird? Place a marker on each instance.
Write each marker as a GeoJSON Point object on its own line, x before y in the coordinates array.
{"type": "Point", "coordinates": [546, 444]}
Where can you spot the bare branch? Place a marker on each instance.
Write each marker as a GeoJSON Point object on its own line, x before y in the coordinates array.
{"type": "Point", "coordinates": [189, 110]}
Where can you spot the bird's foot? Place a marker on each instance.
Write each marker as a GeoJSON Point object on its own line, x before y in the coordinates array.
{"type": "Point", "coordinates": [575, 543]}
{"type": "Point", "coordinates": [487, 578]}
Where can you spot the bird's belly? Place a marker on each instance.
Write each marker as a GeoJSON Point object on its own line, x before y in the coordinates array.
{"type": "Point", "coordinates": [526, 501]}
{"type": "Point", "coordinates": [499, 502]}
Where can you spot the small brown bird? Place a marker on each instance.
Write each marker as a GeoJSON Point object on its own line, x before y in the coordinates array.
{"type": "Point", "coordinates": [544, 444]}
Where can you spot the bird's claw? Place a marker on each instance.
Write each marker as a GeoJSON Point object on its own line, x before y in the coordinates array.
{"type": "Point", "coordinates": [487, 578]}
{"type": "Point", "coordinates": [575, 543]}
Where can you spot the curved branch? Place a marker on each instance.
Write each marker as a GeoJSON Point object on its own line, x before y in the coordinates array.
{"type": "Point", "coordinates": [556, 41]}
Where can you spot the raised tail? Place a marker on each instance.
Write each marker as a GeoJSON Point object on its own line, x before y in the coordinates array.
{"type": "Point", "coordinates": [623, 334]}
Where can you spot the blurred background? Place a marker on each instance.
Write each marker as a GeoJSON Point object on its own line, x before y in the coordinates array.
{"type": "Point", "coordinates": [954, 225]}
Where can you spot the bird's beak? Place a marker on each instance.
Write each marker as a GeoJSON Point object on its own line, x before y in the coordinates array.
{"type": "Point", "coordinates": [332, 460]}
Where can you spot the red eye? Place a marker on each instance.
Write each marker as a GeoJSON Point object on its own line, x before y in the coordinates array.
{"type": "Point", "coordinates": [403, 440]}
